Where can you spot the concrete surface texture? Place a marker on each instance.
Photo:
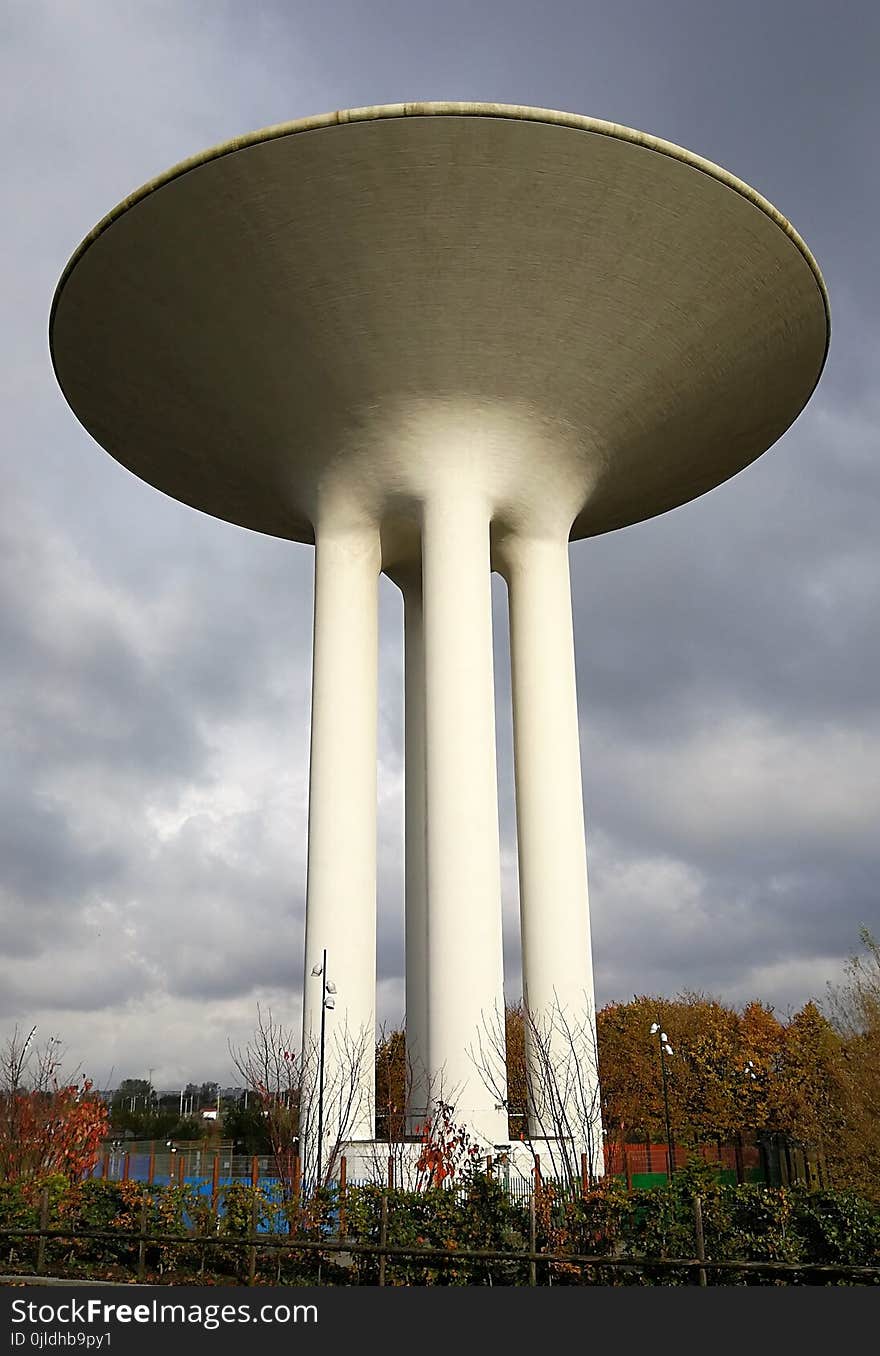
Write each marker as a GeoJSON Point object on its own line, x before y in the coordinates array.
{"type": "Point", "coordinates": [438, 340]}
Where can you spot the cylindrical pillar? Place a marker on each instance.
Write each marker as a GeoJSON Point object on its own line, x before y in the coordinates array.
{"type": "Point", "coordinates": [416, 926]}
{"type": "Point", "coordinates": [341, 892]}
{"type": "Point", "coordinates": [554, 905]}
{"type": "Point", "coordinates": [465, 961]}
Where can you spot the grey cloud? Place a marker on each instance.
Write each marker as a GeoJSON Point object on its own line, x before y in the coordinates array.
{"type": "Point", "coordinates": [154, 664]}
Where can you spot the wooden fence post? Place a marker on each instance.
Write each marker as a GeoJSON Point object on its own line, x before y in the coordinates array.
{"type": "Point", "coordinates": [700, 1239]}
{"type": "Point", "coordinates": [343, 1180]}
{"type": "Point", "coordinates": [215, 1185]}
{"type": "Point", "coordinates": [151, 1170]}
{"type": "Point", "coordinates": [126, 1166]}
{"type": "Point", "coordinates": [383, 1236]}
{"type": "Point", "coordinates": [390, 1173]}
{"type": "Point", "coordinates": [44, 1224]}
{"type": "Point", "coordinates": [627, 1168]}
{"type": "Point", "coordinates": [252, 1250]}
{"type": "Point", "coordinates": [533, 1236]}
{"type": "Point", "coordinates": [142, 1241]}
{"type": "Point", "coordinates": [181, 1169]}
{"type": "Point", "coordinates": [585, 1175]}
{"type": "Point", "coordinates": [105, 1167]}
{"type": "Point", "coordinates": [824, 1178]}
{"type": "Point", "coordinates": [255, 1171]}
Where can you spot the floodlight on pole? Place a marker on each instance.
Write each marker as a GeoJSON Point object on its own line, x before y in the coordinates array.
{"type": "Point", "coordinates": [665, 1049]}
{"type": "Point", "coordinates": [328, 1003]}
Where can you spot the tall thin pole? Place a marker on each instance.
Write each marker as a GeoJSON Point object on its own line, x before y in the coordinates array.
{"type": "Point", "coordinates": [321, 1065]}
{"type": "Point", "coordinates": [669, 1146]}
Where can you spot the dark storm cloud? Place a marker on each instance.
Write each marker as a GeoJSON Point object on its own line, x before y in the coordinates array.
{"type": "Point", "coordinates": [761, 593]}
{"type": "Point", "coordinates": [41, 860]}
{"type": "Point", "coordinates": [155, 664]}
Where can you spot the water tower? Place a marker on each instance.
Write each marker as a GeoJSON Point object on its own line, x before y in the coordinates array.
{"type": "Point", "coordinates": [437, 340]}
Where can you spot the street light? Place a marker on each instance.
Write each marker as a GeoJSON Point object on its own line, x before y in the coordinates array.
{"type": "Point", "coordinates": [665, 1049]}
{"type": "Point", "coordinates": [748, 1114]}
{"type": "Point", "coordinates": [328, 1003]}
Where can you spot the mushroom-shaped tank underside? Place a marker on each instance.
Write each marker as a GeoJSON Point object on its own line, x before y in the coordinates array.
{"type": "Point", "coordinates": [590, 325]}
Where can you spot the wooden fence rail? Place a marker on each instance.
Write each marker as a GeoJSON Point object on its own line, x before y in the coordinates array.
{"type": "Point", "coordinates": [699, 1267]}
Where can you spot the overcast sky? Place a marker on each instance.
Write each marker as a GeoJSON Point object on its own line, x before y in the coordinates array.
{"type": "Point", "coordinates": [155, 664]}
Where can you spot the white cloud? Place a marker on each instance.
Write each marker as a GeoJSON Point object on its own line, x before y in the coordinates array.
{"type": "Point", "coordinates": [743, 779]}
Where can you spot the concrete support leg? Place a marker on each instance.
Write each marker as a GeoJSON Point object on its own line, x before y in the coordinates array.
{"type": "Point", "coordinates": [415, 854]}
{"type": "Point", "coordinates": [555, 920]}
{"type": "Point", "coordinates": [341, 894]}
{"type": "Point", "coordinates": [465, 961]}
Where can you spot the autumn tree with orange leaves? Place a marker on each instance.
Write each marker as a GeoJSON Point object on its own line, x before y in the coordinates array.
{"type": "Point", "coordinates": [813, 1076]}
{"type": "Point", "coordinates": [447, 1149]}
{"type": "Point", "coordinates": [733, 1071]}
{"type": "Point", "coordinates": [49, 1123]}
{"type": "Point", "coordinates": [392, 1085]}
{"type": "Point", "coordinates": [854, 1010]}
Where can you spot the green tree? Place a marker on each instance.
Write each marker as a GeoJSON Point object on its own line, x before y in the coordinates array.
{"type": "Point", "coordinates": [133, 1094]}
{"type": "Point", "coordinates": [246, 1126]}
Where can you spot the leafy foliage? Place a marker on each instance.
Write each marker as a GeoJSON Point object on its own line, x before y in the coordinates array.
{"type": "Point", "coordinates": [855, 1014]}
{"type": "Point", "coordinates": [747, 1223]}
{"type": "Point", "coordinates": [49, 1123]}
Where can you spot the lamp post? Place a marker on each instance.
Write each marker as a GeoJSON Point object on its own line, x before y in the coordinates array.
{"type": "Point", "coordinates": [751, 1078]}
{"type": "Point", "coordinates": [665, 1049]}
{"type": "Point", "coordinates": [749, 1116]}
{"type": "Point", "coordinates": [328, 1002]}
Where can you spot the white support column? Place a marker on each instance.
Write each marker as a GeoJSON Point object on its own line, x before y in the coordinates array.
{"type": "Point", "coordinates": [465, 961]}
{"type": "Point", "coordinates": [416, 928]}
{"type": "Point", "coordinates": [554, 904]}
{"type": "Point", "coordinates": [341, 894]}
